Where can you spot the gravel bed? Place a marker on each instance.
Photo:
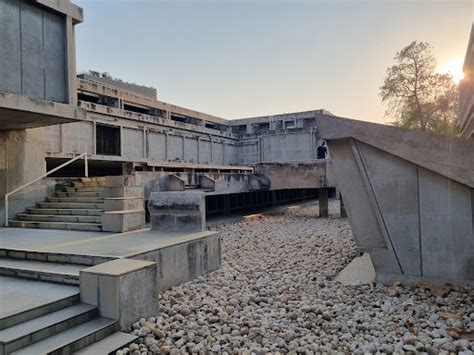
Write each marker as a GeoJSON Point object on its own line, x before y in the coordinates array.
{"type": "Point", "coordinates": [276, 293]}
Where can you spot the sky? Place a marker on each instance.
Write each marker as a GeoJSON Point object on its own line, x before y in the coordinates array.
{"type": "Point", "coordinates": [243, 58]}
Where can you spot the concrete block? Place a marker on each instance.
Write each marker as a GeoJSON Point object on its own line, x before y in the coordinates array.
{"type": "Point", "coordinates": [123, 203]}
{"type": "Point", "coordinates": [207, 182]}
{"type": "Point", "coordinates": [122, 289]}
{"type": "Point", "coordinates": [120, 181]}
{"type": "Point", "coordinates": [171, 183]}
{"type": "Point", "coordinates": [178, 211]}
{"type": "Point", "coordinates": [123, 221]}
{"type": "Point", "coordinates": [125, 191]}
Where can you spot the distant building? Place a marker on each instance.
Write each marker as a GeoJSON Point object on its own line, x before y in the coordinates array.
{"type": "Point", "coordinates": [466, 89]}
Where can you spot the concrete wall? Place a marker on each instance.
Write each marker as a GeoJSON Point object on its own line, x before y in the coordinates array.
{"type": "Point", "coordinates": [182, 262]}
{"type": "Point", "coordinates": [414, 222]}
{"type": "Point", "coordinates": [141, 142]}
{"type": "Point", "coordinates": [296, 175]}
{"type": "Point", "coordinates": [21, 160]}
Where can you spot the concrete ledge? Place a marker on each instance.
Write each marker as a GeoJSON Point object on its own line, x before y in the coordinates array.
{"type": "Point", "coordinates": [122, 289]}
{"type": "Point", "coordinates": [174, 211]}
{"type": "Point", "coordinates": [185, 259]}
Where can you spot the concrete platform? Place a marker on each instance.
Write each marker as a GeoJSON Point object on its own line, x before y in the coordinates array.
{"type": "Point", "coordinates": [113, 245]}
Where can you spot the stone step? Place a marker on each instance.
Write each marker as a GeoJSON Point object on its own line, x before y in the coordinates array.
{"type": "Point", "coordinates": [59, 218]}
{"type": "Point", "coordinates": [74, 205]}
{"type": "Point", "coordinates": [65, 211]}
{"type": "Point", "coordinates": [80, 194]}
{"type": "Point", "coordinates": [34, 330]}
{"type": "Point", "coordinates": [108, 345]}
{"type": "Point", "coordinates": [86, 189]}
{"type": "Point", "coordinates": [88, 184]}
{"type": "Point", "coordinates": [18, 306]}
{"type": "Point", "coordinates": [41, 270]}
{"type": "Point", "coordinates": [72, 339]}
{"type": "Point", "coordinates": [87, 180]}
{"type": "Point", "coordinates": [57, 225]}
{"type": "Point", "coordinates": [76, 199]}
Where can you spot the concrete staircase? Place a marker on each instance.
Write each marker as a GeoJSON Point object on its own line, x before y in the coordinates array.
{"type": "Point", "coordinates": [59, 324]}
{"type": "Point", "coordinates": [78, 207]}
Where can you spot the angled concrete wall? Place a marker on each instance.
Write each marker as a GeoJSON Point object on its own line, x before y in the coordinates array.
{"type": "Point", "coordinates": [409, 196]}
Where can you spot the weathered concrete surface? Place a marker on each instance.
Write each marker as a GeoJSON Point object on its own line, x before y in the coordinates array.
{"type": "Point", "coordinates": [359, 271]}
{"type": "Point", "coordinates": [122, 289]}
{"type": "Point", "coordinates": [409, 196]}
{"type": "Point", "coordinates": [295, 175]}
{"type": "Point", "coordinates": [124, 204]}
{"type": "Point", "coordinates": [176, 211]}
{"type": "Point", "coordinates": [185, 259]}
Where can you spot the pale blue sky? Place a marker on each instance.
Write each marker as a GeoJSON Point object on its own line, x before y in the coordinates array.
{"type": "Point", "coordinates": [239, 59]}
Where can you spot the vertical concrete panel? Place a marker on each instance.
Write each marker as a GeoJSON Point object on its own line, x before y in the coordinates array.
{"type": "Point", "coordinates": [191, 150]}
{"type": "Point", "coordinates": [447, 242]}
{"type": "Point", "coordinates": [78, 137]}
{"type": "Point", "coordinates": [175, 147]}
{"type": "Point", "coordinates": [52, 138]}
{"type": "Point", "coordinates": [395, 184]}
{"type": "Point", "coordinates": [217, 153]}
{"type": "Point", "coordinates": [204, 151]}
{"type": "Point", "coordinates": [55, 57]}
{"type": "Point", "coordinates": [10, 53]}
{"type": "Point", "coordinates": [156, 146]}
{"type": "Point", "coordinates": [32, 47]}
{"type": "Point", "coordinates": [298, 146]}
{"type": "Point", "coordinates": [362, 216]}
{"type": "Point", "coordinates": [132, 143]}
{"type": "Point", "coordinates": [231, 154]}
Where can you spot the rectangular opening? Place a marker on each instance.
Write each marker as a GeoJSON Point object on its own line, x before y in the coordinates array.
{"type": "Point", "coordinates": [107, 140]}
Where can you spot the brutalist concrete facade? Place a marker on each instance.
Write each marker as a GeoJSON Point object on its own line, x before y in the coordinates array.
{"type": "Point", "coordinates": [410, 199]}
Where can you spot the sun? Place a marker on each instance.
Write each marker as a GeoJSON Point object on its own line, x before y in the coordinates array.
{"type": "Point", "coordinates": [454, 68]}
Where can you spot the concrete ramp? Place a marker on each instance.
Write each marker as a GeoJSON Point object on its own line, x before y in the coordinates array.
{"type": "Point", "coordinates": [409, 197]}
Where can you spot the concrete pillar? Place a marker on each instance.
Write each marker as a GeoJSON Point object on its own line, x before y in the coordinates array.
{"type": "Point", "coordinates": [323, 202]}
{"type": "Point", "coordinates": [226, 204]}
{"type": "Point", "coordinates": [342, 207]}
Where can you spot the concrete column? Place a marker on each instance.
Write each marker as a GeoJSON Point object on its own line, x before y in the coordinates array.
{"type": "Point", "coordinates": [342, 207]}
{"type": "Point", "coordinates": [198, 148]}
{"type": "Point", "coordinates": [226, 204]}
{"type": "Point", "coordinates": [323, 202]}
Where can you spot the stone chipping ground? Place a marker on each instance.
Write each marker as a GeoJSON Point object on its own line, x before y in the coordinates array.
{"type": "Point", "coordinates": [276, 293]}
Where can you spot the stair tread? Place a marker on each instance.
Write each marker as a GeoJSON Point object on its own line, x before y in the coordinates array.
{"type": "Point", "coordinates": [51, 210]}
{"type": "Point", "coordinates": [23, 329]}
{"type": "Point", "coordinates": [42, 266]}
{"type": "Point", "coordinates": [66, 337]}
{"type": "Point", "coordinates": [65, 218]}
{"type": "Point", "coordinates": [57, 223]}
{"type": "Point", "coordinates": [108, 345]}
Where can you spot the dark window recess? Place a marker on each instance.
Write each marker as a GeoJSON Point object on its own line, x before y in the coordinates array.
{"type": "Point", "coordinates": [108, 140]}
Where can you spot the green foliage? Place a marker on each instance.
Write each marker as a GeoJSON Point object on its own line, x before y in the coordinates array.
{"type": "Point", "coordinates": [417, 96]}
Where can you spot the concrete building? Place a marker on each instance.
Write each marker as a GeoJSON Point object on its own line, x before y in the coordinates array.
{"type": "Point", "coordinates": [466, 91]}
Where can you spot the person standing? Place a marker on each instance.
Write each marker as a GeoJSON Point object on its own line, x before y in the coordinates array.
{"type": "Point", "coordinates": [322, 151]}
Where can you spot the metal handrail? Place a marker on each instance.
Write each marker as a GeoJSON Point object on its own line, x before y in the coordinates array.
{"type": "Point", "coordinates": [86, 173]}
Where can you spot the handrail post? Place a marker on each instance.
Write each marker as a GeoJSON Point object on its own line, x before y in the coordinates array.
{"type": "Point", "coordinates": [86, 166]}
{"type": "Point", "coordinates": [6, 210]}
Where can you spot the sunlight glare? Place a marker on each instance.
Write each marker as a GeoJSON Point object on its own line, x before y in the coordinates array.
{"type": "Point", "coordinates": [454, 68]}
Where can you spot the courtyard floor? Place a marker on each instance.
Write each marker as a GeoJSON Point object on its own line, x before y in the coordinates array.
{"type": "Point", "coordinates": [276, 292]}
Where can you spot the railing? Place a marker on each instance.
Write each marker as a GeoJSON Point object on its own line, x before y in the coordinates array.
{"type": "Point", "coordinates": [86, 173]}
